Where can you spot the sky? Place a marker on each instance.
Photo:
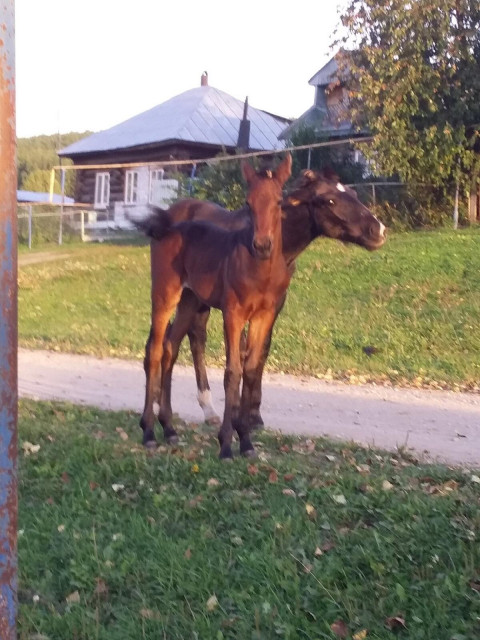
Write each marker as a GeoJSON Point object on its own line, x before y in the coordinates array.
{"type": "Point", "coordinates": [90, 64]}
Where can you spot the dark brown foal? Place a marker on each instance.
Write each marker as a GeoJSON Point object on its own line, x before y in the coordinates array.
{"type": "Point", "coordinates": [244, 273]}
{"type": "Point", "coordinates": [317, 205]}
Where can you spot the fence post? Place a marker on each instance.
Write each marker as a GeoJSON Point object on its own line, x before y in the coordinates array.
{"type": "Point", "coordinates": [82, 225]}
{"type": "Point", "coordinates": [29, 226]}
{"type": "Point", "coordinates": [8, 328]}
{"type": "Point", "coordinates": [374, 196]}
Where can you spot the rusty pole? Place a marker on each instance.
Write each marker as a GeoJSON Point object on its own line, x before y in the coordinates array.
{"type": "Point", "coordinates": [8, 327]}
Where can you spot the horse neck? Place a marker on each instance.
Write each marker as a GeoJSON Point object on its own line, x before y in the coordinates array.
{"type": "Point", "coordinates": [298, 230]}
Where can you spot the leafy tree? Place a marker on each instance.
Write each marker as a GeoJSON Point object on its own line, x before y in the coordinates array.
{"type": "Point", "coordinates": [40, 153]}
{"type": "Point", "coordinates": [222, 183]}
{"type": "Point", "coordinates": [339, 158]}
{"type": "Point", "coordinates": [413, 72]}
{"type": "Point", "coordinates": [39, 180]}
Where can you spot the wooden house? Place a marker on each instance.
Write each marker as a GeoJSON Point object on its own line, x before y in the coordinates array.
{"type": "Point", "coordinates": [199, 123]}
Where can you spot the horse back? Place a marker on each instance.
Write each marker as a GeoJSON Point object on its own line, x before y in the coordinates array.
{"type": "Point", "coordinates": [205, 211]}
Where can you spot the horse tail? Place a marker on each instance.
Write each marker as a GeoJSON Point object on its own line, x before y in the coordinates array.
{"type": "Point", "coordinates": [156, 225]}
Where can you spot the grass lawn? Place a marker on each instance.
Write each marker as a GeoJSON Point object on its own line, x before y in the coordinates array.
{"type": "Point", "coordinates": [312, 540]}
{"type": "Point", "coordinates": [416, 301]}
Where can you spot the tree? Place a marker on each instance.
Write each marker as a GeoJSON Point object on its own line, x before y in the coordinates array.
{"type": "Point", "coordinates": [412, 68]}
{"type": "Point", "coordinates": [39, 180]}
{"type": "Point", "coordinates": [339, 158]}
{"type": "Point", "coordinates": [221, 182]}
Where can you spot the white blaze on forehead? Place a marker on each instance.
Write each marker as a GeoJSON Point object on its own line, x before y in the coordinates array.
{"type": "Point", "coordinates": [382, 229]}
{"type": "Point", "coordinates": [340, 187]}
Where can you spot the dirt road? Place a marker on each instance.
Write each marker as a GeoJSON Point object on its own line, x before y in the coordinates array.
{"type": "Point", "coordinates": [436, 424]}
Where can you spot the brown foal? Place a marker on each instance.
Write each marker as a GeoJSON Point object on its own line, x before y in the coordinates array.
{"type": "Point", "coordinates": [244, 274]}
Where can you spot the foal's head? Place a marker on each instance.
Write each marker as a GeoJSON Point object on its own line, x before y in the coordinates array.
{"type": "Point", "coordinates": [264, 199]}
{"type": "Point", "coordinates": [336, 210]}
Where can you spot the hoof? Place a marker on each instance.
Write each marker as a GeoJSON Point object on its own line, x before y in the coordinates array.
{"type": "Point", "coordinates": [249, 453]}
{"type": "Point", "coordinates": [173, 439]}
{"type": "Point", "coordinates": [151, 445]}
{"type": "Point", "coordinates": [256, 422]}
{"type": "Point", "coordinates": [213, 421]}
{"type": "Point", "coordinates": [226, 454]}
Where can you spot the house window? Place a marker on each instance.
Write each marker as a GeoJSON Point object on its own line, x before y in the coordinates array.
{"type": "Point", "coordinates": [102, 190]}
{"type": "Point", "coordinates": [156, 176]}
{"type": "Point", "coordinates": [131, 187]}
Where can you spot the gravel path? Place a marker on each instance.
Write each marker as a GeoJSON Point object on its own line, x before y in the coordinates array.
{"type": "Point", "coordinates": [440, 425]}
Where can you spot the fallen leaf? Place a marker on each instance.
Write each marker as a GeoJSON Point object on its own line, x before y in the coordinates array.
{"type": "Point", "coordinates": [252, 469]}
{"type": "Point", "coordinates": [73, 598]}
{"type": "Point", "coordinates": [340, 499]}
{"type": "Point", "coordinates": [273, 476]}
{"type": "Point", "coordinates": [65, 477]}
{"type": "Point", "coordinates": [363, 468]}
{"type": "Point", "coordinates": [311, 511]}
{"type": "Point", "coordinates": [360, 635]}
{"type": "Point", "coordinates": [118, 487]}
{"type": "Point", "coordinates": [188, 554]}
{"type": "Point", "coordinates": [475, 479]}
{"type": "Point", "coordinates": [288, 492]}
{"type": "Point", "coordinates": [330, 458]}
{"type": "Point", "coordinates": [101, 589]}
{"type": "Point", "coordinates": [327, 546]}
{"type": "Point", "coordinates": [93, 485]}
{"type": "Point", "coordinates": [288, 477]}
{"type": "Point", "coordinates": [318, 552]}
{"type": "Point", "coordinates": [61, 528]}
{"type": "Point", "coordinates": [122, 433]}
{"type": "Point", "coordinates": [149, 614]}
{"type": "Point", "coordinates": [29, 448]}
{"type": "Point", "coordinates": [213, 482]}
{"type": "Point", "coordinates": [212, 603]}
{"type": "Point", "coordinates": [386, 485]}
{"type": "Point", "coordinates": [339, 628]}
{"type": "Point", "coordinates": [395, 622]}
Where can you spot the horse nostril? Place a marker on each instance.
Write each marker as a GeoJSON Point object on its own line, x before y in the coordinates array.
{"type": "Point", "coordinates": [262, 245]}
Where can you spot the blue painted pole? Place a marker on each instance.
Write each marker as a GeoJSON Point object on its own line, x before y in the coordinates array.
{"type": "Point", "coordinates": [8, 327]}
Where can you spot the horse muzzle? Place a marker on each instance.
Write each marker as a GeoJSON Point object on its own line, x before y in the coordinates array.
{"type": "Point", "coordinates": [263, 248]}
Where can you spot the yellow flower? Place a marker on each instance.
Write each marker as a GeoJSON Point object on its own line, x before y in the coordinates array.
{"type": "Point", "coordinates": [195, 468]}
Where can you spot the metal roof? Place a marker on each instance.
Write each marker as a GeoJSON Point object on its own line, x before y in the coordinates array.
{"type": "Point", "coordinates": [43, 198]}
{"type": "Point", "coordinates": [326, 74]}
{"type": "Point", "coordinates": [203, 115]}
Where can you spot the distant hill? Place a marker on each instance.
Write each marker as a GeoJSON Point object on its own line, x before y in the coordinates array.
{"type": "Point", "coordinates": [37, 155]}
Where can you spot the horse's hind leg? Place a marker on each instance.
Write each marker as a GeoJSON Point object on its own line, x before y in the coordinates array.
{"type": "Point", "coordinates": [197, 334]}
{"type": "Point", "coordinates": [162, 309]}
{"type": "Point", "coordinates": [184, 319]}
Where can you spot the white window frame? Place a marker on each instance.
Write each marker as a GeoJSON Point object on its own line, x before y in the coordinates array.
{"type": "Point", "coordinates": [156, 175]}
{"type": "Point", "coordinates": [102, 190]}
{"type": "Point", "coordinates": [131, 186]}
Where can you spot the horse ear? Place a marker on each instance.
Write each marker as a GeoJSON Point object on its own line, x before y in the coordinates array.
{"type": "Point", "coordinates": [308, 174]}
{"type": "Point", "coordinates": [330, 174]}
{"type": "Point", "coordinates": [284, 169]}
{"type": "Point", "coordinates": [248, 171]}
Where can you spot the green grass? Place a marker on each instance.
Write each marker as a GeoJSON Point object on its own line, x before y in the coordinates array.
{"type": "Point", "coordinates": [310, 534]}
{"type": "Point", "coordinates": [416, 301]}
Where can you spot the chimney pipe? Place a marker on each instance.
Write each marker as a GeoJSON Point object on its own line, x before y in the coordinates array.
{"type": "Point", "coordinates": [243, 141]}
{"type": "Point", "coordinates": [204, 79]}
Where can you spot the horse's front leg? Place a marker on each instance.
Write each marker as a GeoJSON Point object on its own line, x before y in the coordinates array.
{"type": "Point", "coordinates": [260, 328]}
{"type": "Point", "coordinates": [255, 418]}
{"type": "Point", "coordinates": [233, 324]}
